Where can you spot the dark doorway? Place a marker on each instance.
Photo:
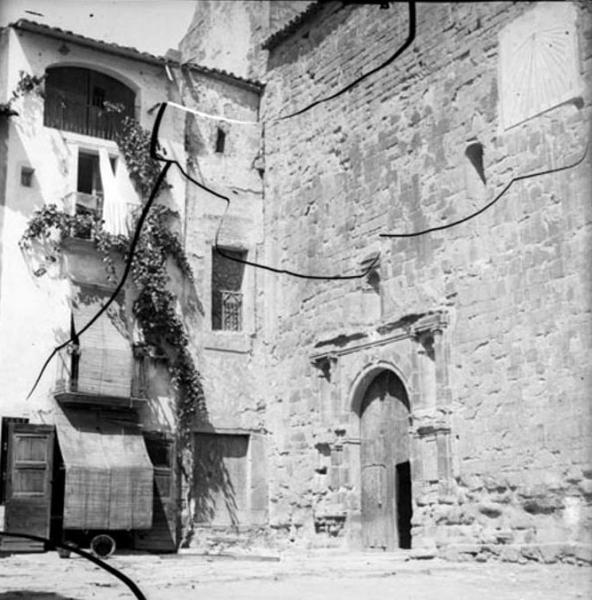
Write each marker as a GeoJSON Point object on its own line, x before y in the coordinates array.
{"type": "Point", "coordinates": [385, 464]}
{"type": "Point", "coordinates": [404, 505]}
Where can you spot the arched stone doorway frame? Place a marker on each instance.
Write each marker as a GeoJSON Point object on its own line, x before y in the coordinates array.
{"type": "Point", "coordinates": [364, 378]}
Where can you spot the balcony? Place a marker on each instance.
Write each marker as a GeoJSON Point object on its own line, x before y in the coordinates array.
{"type": "Point", "coordinates": [82, 380]}
{"type": "Point", "coordinates": [90, 207]}
{"type": "Point", "coordinates": [70, 112]}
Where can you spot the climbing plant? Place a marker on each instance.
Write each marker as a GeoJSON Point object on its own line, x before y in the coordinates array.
{"type": "Point", "coordinates": [26, 84]}
{"type": "Point", "coordinates": [155, 305]}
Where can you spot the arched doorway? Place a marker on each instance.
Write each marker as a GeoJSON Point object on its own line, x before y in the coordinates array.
{"type": "Point", "coordinates": [385, 464]}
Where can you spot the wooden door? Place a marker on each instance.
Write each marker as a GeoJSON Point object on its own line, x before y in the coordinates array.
{"type": "Point", "coordinates": [29, 484]}
{"type": "Point", "coordinates": [221, 478]}
{"type": "Point", "coordinates": [4, 452]}
{"type": "Point", "coordinates": [384, 445]}
{"type": "Point", "coordinates": [163, 535]}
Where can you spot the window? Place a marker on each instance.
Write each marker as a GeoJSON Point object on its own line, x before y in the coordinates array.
{"type": "Point", "coordinates": [88, 199]}
{"type": "Point", "coordinates": [220, 140]}
{"type": "Point", "coordinates": [27, 176]}
{"type": "Point", "coordinates": [227, 283]}
{"type": "Point", "coordinates": [75, 101]}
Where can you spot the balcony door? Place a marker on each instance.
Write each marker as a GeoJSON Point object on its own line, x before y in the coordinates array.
{"type": "Point", "coordinates": [76, 100]}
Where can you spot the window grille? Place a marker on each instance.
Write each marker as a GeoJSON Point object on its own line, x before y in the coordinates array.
{"type": "Point", "coordinates": [232, 304]}
{"type": "Point", "coordinates": [227, 285]}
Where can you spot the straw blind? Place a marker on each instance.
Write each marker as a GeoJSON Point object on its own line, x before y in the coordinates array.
{"type": "Point", "coordinates": [109, 476]}
{"type": "Point", "coordinates": [106, 360]}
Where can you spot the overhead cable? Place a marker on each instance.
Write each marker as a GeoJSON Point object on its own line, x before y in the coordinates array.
{"type": "Point", "coordinates": [69, 547]}
{"type": "Point", "coordinates": [492, 202]}
{"type": "Point", "coordinates": [169, 161]}
{"type": "Point", "coordinates": [208, 116]}
{"type": "Point", "coordinates": [412, 26]}
{"type": "Point", "coordinates": [74, 335]}
{"type": "Point", "coordinates": [349, 86]}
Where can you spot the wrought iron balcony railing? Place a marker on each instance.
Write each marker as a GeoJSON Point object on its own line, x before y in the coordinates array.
{"type": "Point", "coordinates": [90, 208]}
{"type": "Point", "coordinates": [87, 206]}
{"type": "Point", "coordinates": [70, 112]}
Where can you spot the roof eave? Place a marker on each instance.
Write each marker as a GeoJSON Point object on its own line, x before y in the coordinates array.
{"type": "Point", "coordinates": [275, 39]}
{"type": "Point", "coordinates": [73, 38]}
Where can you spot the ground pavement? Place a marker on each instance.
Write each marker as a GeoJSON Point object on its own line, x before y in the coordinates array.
{"type": "Point", "coordinates": [302, 576]}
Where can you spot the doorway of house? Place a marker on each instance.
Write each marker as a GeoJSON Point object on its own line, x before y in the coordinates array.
{"type": "Point", "coordinates": [385, 465]}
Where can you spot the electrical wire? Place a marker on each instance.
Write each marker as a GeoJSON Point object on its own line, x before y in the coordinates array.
{"type": "Point", "coordinates": [412, 20]}
{"type": "Point", "coordinates": [74, 335]}
{"type": "Point", "coordinates": [154, 153]}
{"type": "Point", "coordinates": [51, 545]}
{"type": "Point", "coordinates": [168, 162]}
{"type": "Point", "coordinates": [349, 86]}
{"type": "Point", "coordinates": [492, 202]}
{"type": "Point", "coordinates": [208, 116]}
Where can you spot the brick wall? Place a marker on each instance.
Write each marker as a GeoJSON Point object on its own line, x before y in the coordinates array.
{"type": "Point", "coordinates": [512, 375]}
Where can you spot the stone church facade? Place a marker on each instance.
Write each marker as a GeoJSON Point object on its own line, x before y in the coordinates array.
{"type": "Point", "coordinates": [442, 400]}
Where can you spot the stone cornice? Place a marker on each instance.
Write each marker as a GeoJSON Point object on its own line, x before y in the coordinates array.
{"type": "Point", "coordinates": [413, 327]}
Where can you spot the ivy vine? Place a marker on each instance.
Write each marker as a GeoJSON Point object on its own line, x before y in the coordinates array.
{"type": "Point", "coordinates": [155, 306]}
{"type": "Point", "coordinates": [28, 83]}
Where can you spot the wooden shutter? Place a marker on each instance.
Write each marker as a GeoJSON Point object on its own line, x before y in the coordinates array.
{"type": "Point", "coordinates": [163, 536]}
{"type": "Point", "coordinates": [29, 484]}
{"type": "Point", "coordinates": [4, 452]}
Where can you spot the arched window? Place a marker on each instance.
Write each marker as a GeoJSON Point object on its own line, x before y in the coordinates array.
{"type": "Point", "coordinates": [78, 100]}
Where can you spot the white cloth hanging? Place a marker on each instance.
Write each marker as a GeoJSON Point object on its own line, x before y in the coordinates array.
{"type": "Point", "coordinates": [127, 193]}
{"type": "Point", "coordinates": [114, 205]}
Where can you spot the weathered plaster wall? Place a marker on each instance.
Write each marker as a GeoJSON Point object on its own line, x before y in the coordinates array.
{"type": "Point", "coordinates": [510, 385]}
{"type": "Point", "coordinates": [228, 367]}
{"type": "Point", "coordinates": [224, 35]}
{"type": "Point", "coordinates": [34, 311]}
{"type": "Point", "coordinates": [228, 35]}
{"type": "Point", "coordinates": [231, 364]}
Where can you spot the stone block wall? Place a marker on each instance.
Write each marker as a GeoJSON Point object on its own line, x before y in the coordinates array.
{"type": "Point", "coordinates": [228, 35]}
{"type": "Point", "coordinates": [226, 357]}
{"type": "Point", "coordinates": [510, 386]}
{"type": "Point", "coordinates": [230, 362]}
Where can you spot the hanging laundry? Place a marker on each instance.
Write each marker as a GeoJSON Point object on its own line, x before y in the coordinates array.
{"type": "Point", "coordinates": [127, 193]}
{"type": "Point", "coordinates": [114, 205]}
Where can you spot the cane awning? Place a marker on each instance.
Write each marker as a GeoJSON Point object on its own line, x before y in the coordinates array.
{"type": "Point", "coordinates": [109, 476]}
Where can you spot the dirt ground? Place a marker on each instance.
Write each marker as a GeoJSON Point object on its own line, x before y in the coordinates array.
{"type": "Point", "coordinates": [310, 576]}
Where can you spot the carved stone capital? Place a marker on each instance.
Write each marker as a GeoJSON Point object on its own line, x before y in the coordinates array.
{"type": "Point", "coordinates": [325, 363]}
{"type": "Point", "coordinates": [431, 323]}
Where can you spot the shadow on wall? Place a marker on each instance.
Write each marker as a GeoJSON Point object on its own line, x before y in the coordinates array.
{"type": "Point", "coordinates": [220, 478]}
